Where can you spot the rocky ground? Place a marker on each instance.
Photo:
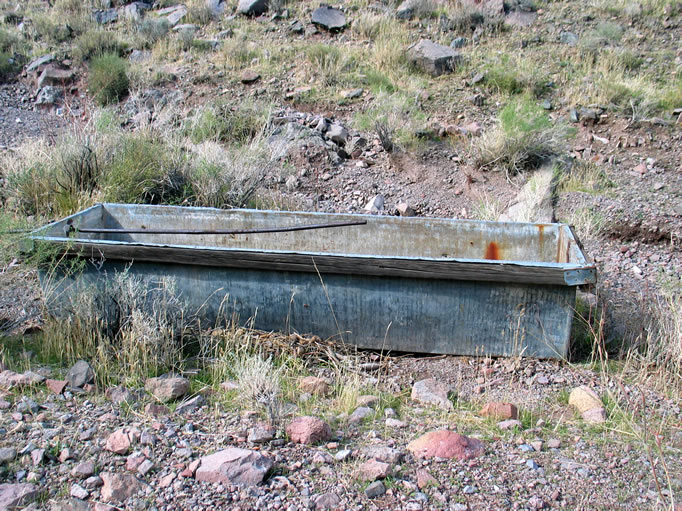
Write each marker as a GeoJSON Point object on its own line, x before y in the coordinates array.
{"type": "Point", "coordinates": [523, 444]}
{"type": "Point", "coordinates": [539, 444]}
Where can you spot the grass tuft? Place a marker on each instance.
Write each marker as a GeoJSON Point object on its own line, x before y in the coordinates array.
{"type": "Point", "coordinates": [108, 81]}
{"type": "Point", "coordinates": [523, 139]}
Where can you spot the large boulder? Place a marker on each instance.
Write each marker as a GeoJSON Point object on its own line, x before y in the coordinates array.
{"type": "Point", "coordinates": [432, 58]}
{"type": "Point", "coordinates": [329, 18]}
{"type": "Point", "coordinates": [234, 466]}
{"type": "Point", "coordinates": [445, 444]}
{"type": "Point", "coordinates": [308, 430]}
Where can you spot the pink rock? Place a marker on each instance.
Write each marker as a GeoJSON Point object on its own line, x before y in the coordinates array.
{"type": "Point", "coordinates": [166, 481]}
{"type": "Point", "coordinates": [372, 470]}
{"type": "Point", "coordinates": [83, 470]}
{"type": "Point", "coordinates": [308, 430]}
{"type": "Point", "coordinates": [445, 444]}
{"type": "Point", "coordinates": [314, 385]}
{"type": "Point", "coordinates": [425, 479]}
{"type": "Point", "coordinates": [167, 388]}
{"type": "Point", "coordinates": [594, 416]}
{"type": "Point", "coordinates": [508, 424]}
{"type": "Point", "coordinates": [118, 442]}
{"type": "Point", "coordinates": [37, 456]}
{"type": "Point", "coordinates": [500, 411]}
{"type": "Point", "coordinates": [134, 462]}
{"type": "Point", "coordinates": [234, 466]}
{"type": "Point", "coordinates": [156, 410]}
{"type": "Point", "coordinates": [56, 386]}
{"type": "Point", "coordinates": [119, 487]}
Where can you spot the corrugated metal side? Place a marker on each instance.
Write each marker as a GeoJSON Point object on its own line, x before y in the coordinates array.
{"type": "Point", "coordinates": [396, 314]}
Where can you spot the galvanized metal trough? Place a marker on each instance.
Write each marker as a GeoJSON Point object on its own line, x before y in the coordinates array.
{"type": "Point", "coordinates": [401, 284]}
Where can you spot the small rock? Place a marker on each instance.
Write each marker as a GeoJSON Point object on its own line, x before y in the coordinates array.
{"type": "Point", "coordinates": [594, 416]}
{"type": "Point", "coordinates": [382, 453]}
{"type": "Point", "coordinates": [78, 492]}
{"type": "Point", "coordinates": [119, 441]}
{"type": "Point", "coordinates": [234, 466]}
{"type": "Point", "coordinates": [49, 95]}
{"type": "Point", "coordinates": [432, 391]}
{"type": "Point", "coordinates": [145, 467]}
{"type": "Point", "coordinates": [80, 374]}
{"type": "Point", "coordinates": [261, 433]}
{"type": "Point", "coordinates": [308, 430]}
{"type": "Point", "coordinates": [584, 398]}
{"type": "Point", "coordinates": [83, 470]}
{"type": "Point", "coordinates": [52, 75]}
{"type": "Point", "coordinates": [445, 444]}
{"type": "Point", "coordinates": [372, 470]}
{"type": "Point", "coordinates": [327, 501]}
{"type": "Point", "coordinates": [120, 394]}
{"type": "Point", "coordinates": [532, 465]}
{"type": "Point", "coordinates": [434, 59]}
{"type": "Point", "coordinates": [249, 76]}
{"type": "Point", "coordinates": [425, 479]}
{"type": "Point", "coordinates": [376, 489]}
{"type": "Point", "coordinates": [118, 487]}
{"type": "Point", "coordinates": [553, 443]}
{"type": "Point", "coordinates": [252, 7]}
{"type": "Point", "coordinates": [37, 456]}
{"type": "Point", "coordinates": [375, 204]}
{"type": "Point", "coordinates": [360, 414]}
{"type": "Point", "coordinates": [329, 18]}
{"type": "Point", "coordinates": [190, 405]}
{"type": "Point", "coordinates": [7, 454]}
{"type": "Point", "coordinates": [103, 17]}
{"type": "Point", "coordinates": [167, 388]}
{"type": "Point", "coordinates": [405, 210]}
{"type": "Point", "coordinates": [314, 385]}
{"type": "Point", "coordinates": [17, 495]}
{"type": "Point", "coordinates": [500, 411]}
{"type": "Point", "coordinates": [395, 423]}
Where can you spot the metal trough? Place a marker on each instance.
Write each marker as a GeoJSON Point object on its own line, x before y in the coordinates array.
{"type": "Point", "coordinates": [401, 284]}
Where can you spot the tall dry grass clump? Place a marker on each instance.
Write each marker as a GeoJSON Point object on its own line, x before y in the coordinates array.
{"type": "Point", "coordinates": [129, 327]}
{"type": "Point", "coordinates": [657, 355]}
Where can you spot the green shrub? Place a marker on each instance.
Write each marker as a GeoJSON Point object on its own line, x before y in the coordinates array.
{"type": "Point", "coordinates": [152, 30]}
{"type": "Point", "coordinates": [108, 81]}
{"type": "Point", "coordinates": [144, 170]}
{"type": "Point", "coordinates": [222, 123]}
{"type": "Point", "coordinates": [96, 43]}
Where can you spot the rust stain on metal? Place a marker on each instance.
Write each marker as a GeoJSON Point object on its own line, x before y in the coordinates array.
{"type": "Point", "coordinates": [541, 237]}
{"type": "Point", "coordinates": [492, 252]}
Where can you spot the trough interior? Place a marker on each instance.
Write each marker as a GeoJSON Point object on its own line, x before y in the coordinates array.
{"type": "Point", "coordinates": [381, 236]}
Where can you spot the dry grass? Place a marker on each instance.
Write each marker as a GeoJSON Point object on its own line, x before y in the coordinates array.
{"type": "Point", "coordinates": [524, 139]}
{"type": "Point", "coordinates": [260, 384]}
